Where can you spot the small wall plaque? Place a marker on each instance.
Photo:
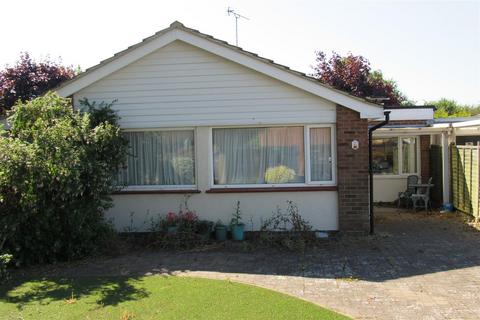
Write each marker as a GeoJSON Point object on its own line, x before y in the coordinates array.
{"type": "Point", "coordinates": [355, 145]}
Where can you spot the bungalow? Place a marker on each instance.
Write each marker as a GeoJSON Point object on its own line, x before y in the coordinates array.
{"type": "Point", "coordinates": [220, 123]}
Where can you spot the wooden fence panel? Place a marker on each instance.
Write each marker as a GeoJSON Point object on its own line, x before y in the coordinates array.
{"type": "Point", "coordinates": [465, 166]}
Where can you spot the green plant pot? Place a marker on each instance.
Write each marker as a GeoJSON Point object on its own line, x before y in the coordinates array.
{"type": "Point", "coordinates": [221, 233]}
{"type": "Point", "coordinates": [172, 230]}
{"type": "Point", "coordinates": [205, 236]}
{"type": "Point", "coordinates": [204, 229]}
{"type": "Point", "coordinates": [238, 233]}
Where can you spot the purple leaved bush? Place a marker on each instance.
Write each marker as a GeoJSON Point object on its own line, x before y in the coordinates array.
{"type": "Point", "coordinates": [353, 74]}
{"type": "Point", "coordinates": [28, 79]}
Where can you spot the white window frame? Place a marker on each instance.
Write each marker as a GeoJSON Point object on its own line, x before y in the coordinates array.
{"type": "Point", "coordinates": [306, 141]}
{"type": "Point", "coordinates": [333, 158]}
{"type": "Point", "coordinates": [192, 187]}
{"type": "Point", "coordinates": [400, 173]}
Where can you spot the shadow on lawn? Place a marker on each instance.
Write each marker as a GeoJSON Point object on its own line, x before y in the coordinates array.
{"type": "Point", "coordinates": [106, 290]}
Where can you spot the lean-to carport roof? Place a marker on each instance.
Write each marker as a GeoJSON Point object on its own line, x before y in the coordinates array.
{"type": "Point", "coordinates": [178, 31]}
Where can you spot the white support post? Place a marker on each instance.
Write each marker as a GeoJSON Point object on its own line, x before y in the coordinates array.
{"type": "Point", "coordinates": [446, 167]}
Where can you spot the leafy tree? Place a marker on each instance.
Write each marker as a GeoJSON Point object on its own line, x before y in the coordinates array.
{"type": "Point", "coordinates": [353, 74]}
{"type": "Point", "coordinates": [29, 79]}
{"type": "Point", "coordinates": [57, 169]}
{"type": "Point", "coordinates": [449, 108]}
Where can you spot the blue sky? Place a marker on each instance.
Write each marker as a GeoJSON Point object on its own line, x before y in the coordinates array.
{"type": "Point", "coordinates": [431, 48]}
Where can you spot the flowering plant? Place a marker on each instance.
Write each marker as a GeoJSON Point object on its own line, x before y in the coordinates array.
{"type": "Point", "coordinates": [188, 216]}
{"type": "Point", "coordinates": [171, 219]}
{"type": "Point", "coordinates": [188, 220]}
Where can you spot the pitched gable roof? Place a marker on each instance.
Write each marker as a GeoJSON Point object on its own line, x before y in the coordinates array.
{"type": "Point", "coordinates": [178, 31]}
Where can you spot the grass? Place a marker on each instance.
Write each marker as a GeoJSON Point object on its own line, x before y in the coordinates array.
{"type": "Point", "coordinates": [150, 297]}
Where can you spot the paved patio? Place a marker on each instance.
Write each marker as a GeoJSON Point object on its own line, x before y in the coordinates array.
{"type": "Point", "coordinates": [417, 267]}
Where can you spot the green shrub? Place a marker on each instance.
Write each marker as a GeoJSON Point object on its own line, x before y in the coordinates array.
{"type": "Point", "coordinates": [4, 261]}
{"type": "Point", "coordinates": [57, 169]}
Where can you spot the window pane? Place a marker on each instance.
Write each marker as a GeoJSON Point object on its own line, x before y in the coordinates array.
{"type": "Point", "coordinates": [385, 156]}
{"type": "Point", "coordinates": [160, 158]}
{"type": "Point", "coordinates": [320, 154]}
{"type": "Point", "coordinates": [258, 155]}
{"type": "Point", "coordinates": [409, 154]}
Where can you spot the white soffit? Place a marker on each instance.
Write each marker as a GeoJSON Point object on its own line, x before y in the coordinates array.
{"type": "Point", "coordinates": [409, 114]}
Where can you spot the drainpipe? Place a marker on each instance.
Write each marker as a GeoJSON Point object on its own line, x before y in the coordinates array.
{"type": "Point", "coordinates": [370, 166]}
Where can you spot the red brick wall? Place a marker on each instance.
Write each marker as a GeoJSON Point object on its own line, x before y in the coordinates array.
{"type": "Point", "coordinates": [425, 158]}
{"type": "Point", "coordinates": [352, 171]}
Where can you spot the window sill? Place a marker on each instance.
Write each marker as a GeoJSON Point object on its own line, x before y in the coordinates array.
{"type": "Point", "coordinates": [156, 191]}
{"type": "Point", "coordinates": [272, 189]}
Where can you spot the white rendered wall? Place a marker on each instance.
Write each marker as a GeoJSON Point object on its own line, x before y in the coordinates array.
{"type": "Point", "coordinates": [386, 189]}
{"type": "Point", "coordinates": [317, 207]}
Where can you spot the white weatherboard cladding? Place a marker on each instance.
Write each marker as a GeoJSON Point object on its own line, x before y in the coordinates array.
{"type": "Point", "coordinates": [182, 85]}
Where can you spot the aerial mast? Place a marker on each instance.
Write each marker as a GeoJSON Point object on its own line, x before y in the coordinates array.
{"type": "Point", "coordinates": [237, 16]}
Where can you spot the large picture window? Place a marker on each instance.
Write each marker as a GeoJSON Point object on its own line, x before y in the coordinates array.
{"type": "Point", "coordinates": [395, 155]}
{"type": "Point", "coordinates": [272, 155]}
{"type": "Point", "coordinates": [160, 158]}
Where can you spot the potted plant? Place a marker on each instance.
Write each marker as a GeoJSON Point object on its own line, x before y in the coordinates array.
{"type": "Point", "coordinates": [238, 228]}
{"type": "Point", "coordinates": [220, 231]}
{"type": "Point", "coordinates": [187, 221]}
{"type": "Point", "coordinates": [204, 229]}
{"type": "Point", "coordinates": [171, 223]}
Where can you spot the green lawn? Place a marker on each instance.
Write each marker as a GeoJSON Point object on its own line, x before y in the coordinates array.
{"type": "Point", "coordinates": [152, 297]}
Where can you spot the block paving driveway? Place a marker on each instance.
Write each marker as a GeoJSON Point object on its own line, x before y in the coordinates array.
{"type": "Point", "coordinates": [417, 266]}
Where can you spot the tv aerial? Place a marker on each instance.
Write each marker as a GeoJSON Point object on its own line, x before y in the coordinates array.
{"type": "Point", "coordinates": [237, 16]}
